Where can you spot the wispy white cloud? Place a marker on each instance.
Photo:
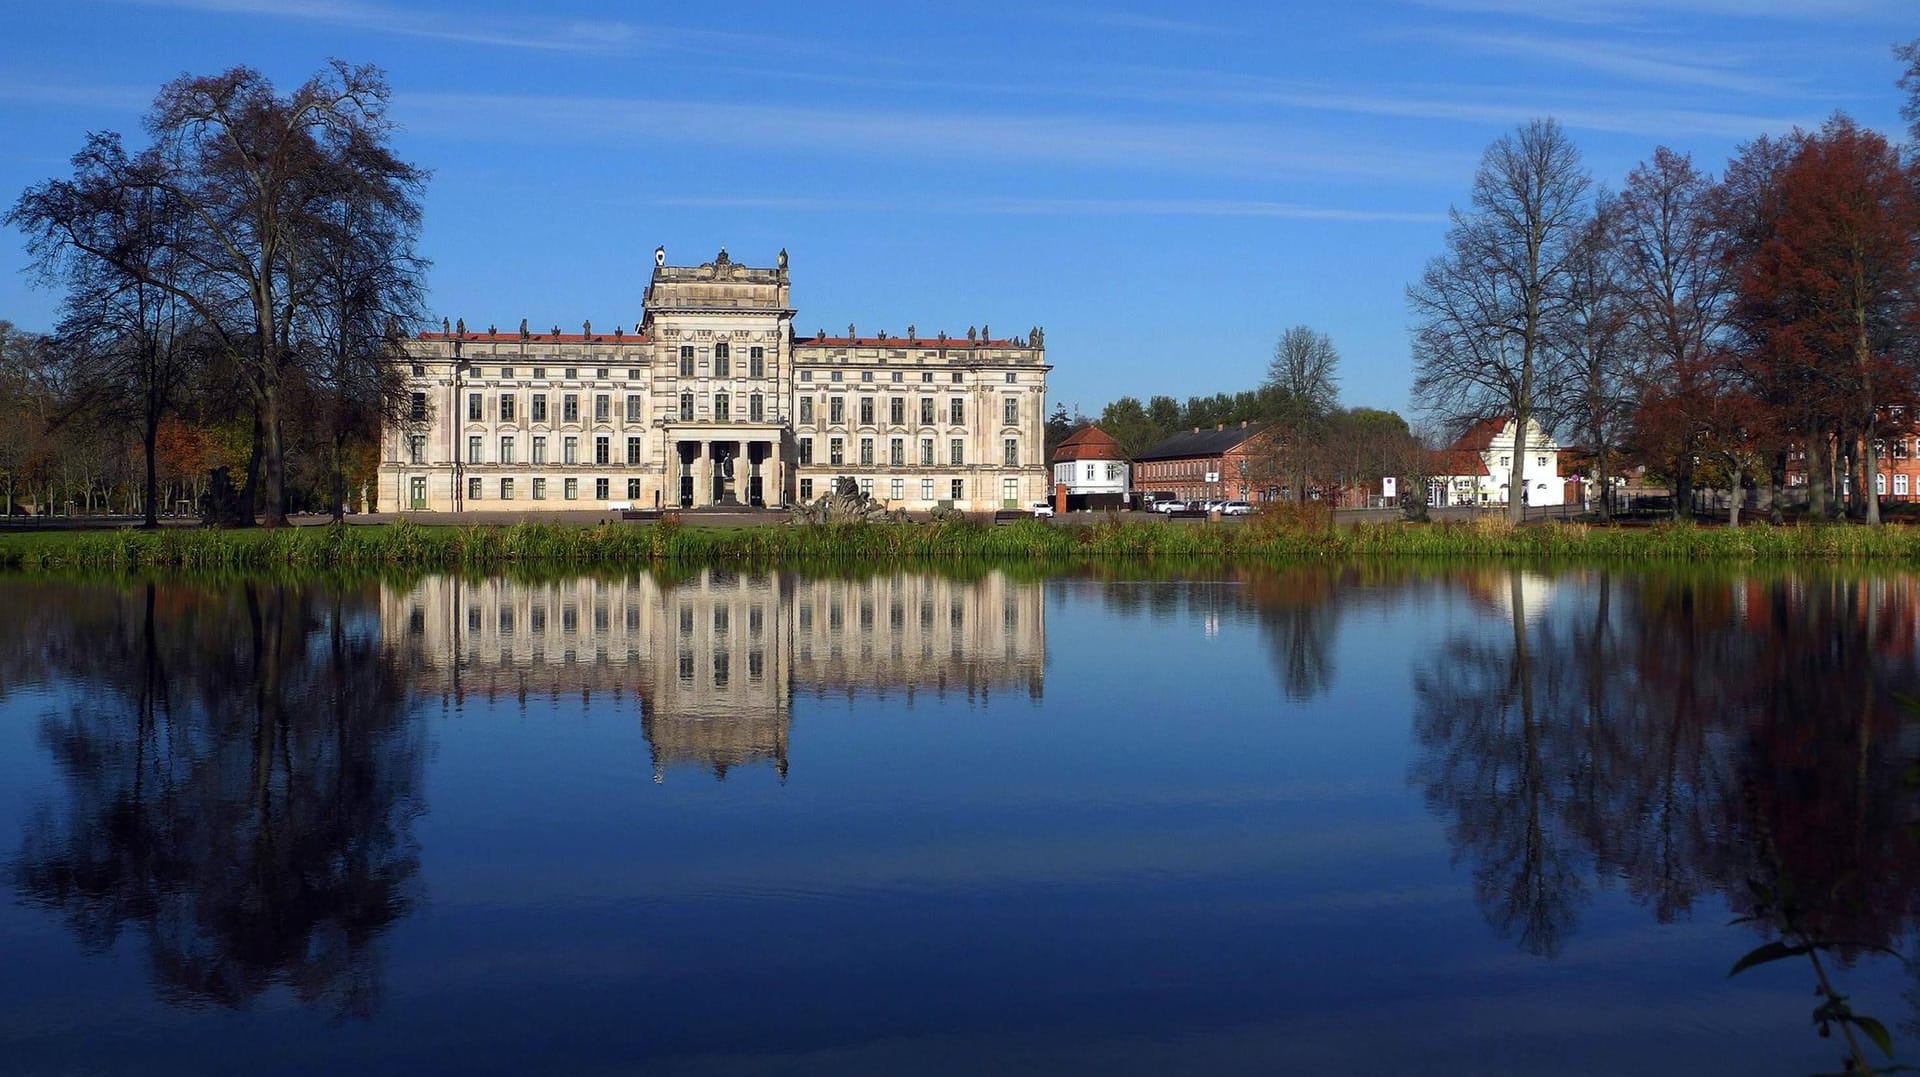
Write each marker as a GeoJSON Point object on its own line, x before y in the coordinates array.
{"type": "Point", "coordinates": [1107, 19]}
{"type": "Point", "coordinates": [924, 137]}
{"type": "Point", "coordinates": [534, 32]}
{"type": "Point", "coordinates": [127, 98]}
{"type": "Point", "coordinates": [1632, 11]}
{"type": "Point", "coordinates": [1104, 207]}
{"type": "Point", "coordinates": [1630, 62]}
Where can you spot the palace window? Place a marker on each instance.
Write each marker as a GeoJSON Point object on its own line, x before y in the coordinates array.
{"type": "Point", "coordinates": [806, 450]}
{"type": "Point", "coordinates": [600, 373]}
{"type": "Point", "coordinates": [538, 407]}
{"type": "Point", "coordinates": [686, 407]}
{"type": "Point", "coordinates": [866, 411]}
{"type": "Point", "coordinates": [897, 489]}
{"type": "Point", "coordinates": [756, 408]}
{"type": "Point", "coordinates": [957, 411]}
{"type": "Point", "coordinates": [756, 362]}
{"type": "Point", "coordinates": [866, 487]}
{"type": "Point", "coordinates": [570, 408]}
{"type": "Point", "coordinates": [419, 371]}
{"type": "Point", "coordinates": [1012, 378]}
{"type": "Point", "coordinates": [1013, 452]}
{"type": "Point", "coordinates": [633, 494]}
{"type": "Point", "coordinates": [570, 489]}
{"type": "Point", "coordinates": [897, 410]}
{"type": "Point", "coordinates": [836, 452]}
{"type": "Point", "coordinates": [836, 410]}
{"type": "Point", "coordinates": [539, 372]}
{"type": "Point", "coordinates": [806, 411]}
{"type": "Point", "coordinates": [506, 372]}
{"type": "Point", "coordinates": [1010, 412]}
{"type": "Point", "coordinates": [926, 452]}
{"type": "Point", "coordinates": [473, 449]}
{"type": "Point", "coordinates": [633, 407]}
{"type": "Point", "coordinates": [416, 449]}
{"type": "Point", "coordinates": [633, 451]}
{"type": "Point", "coordinates": [686, 360]}
{"type": "Point", "coordinates": [926, 489]}
{"type": "Point", "coordinates": [926, 411]}
{"type": "Point", "coordinates": [570, 450]}
{"type": "Point", "coordinates": [633, 374]}
{"type": "Point", "coordinates": [474, 411]}
{"type": "Point", "coordinates": [958, 490]}
{"type": "Point", "coordinates": [506, 450]}
{"type": "Point", "coordinates": [722, 361]}
{"type": "Point", "coordinates": [898, 376]}
{"type": "Point", "coordinates": [600, 488]}
{"type": "Point", "coordinates": [957, 451]}
{"type": "Point", "coordinates": [417, 408]}
{"type": "Point", "coordinates": [506, 407]}
{"type": "Point", "coordinates": [473, 490]}
{"type": "Point", "coordinates": [1539, 461]}
{"type": "Point", "coordinates": [1880, 484]}
{"type": "Point", "coordinates": [866, 452]}
{"type": "Point", "coordinates": [539, 489]}
{"type": "Point", "coordinates": [602, 407]}
{"type": "Point", "coordinates": [1900, 485]}
{"type": "Point", "coordinates": [926, 375]}
{"type": "Point", "coordinates": [722, 408]}
{"type": "Point", "coordinates": [601, 452]}
{"type": "Point", "coordinates": [506, 489]}
{"type": "Point", "coordinates": [806, 489]}
{"type": "Point", "coordinates": [897, 452]}
{"type": "Point", "coordinates": [833, 376]}
{"type": "Point", "coordinates": [539, 450]}
{"type": "Point", "coordinates": [572, 373]}
{"type": "Point", "coordinates": [806, 375]}
{"type": "Point", "coordinates": [866, 375]}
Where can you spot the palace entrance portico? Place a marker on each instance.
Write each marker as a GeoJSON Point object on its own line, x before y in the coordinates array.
{"type": "Point", "coordinates": [728, 465]}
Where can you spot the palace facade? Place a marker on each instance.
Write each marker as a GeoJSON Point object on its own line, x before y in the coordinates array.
{"type": "Point", "coordinates": [711, 664]}
{"type": "Point", "coordinates": [713, 399]}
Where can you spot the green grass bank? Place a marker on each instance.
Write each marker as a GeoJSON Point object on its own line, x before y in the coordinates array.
{"type": "Point", "coordinates": [480, 547]}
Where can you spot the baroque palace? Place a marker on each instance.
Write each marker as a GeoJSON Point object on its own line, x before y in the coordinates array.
{"type": "Point", "coordinates": [711, 664]}
{"type": "Point", "coordinates": [713, 400]}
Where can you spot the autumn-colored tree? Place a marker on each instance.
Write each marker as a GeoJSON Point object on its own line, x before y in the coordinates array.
{"type": "Point", "coordinates": [1827, 292]}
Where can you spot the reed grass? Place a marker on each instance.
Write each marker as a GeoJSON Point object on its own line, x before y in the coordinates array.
{"type": "Point", "coordinates": [481, 547]}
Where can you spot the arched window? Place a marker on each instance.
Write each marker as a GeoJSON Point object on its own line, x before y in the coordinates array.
{"type": "Point", "coordinates": [686, 406]}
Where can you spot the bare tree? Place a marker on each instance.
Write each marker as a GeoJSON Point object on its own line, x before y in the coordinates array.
{"type": "Point", "coordinates": [1599, 400]}
{"type": "Point", "coordinates": [1486, 310]}
{"type": "Point", "coordinates": [1305, 367]}
{"type": "Point", "coordinates": [255, 176]}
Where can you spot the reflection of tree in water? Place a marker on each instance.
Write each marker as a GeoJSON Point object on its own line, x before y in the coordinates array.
{"type": "Point", "coordinates": [242, 780]}
{"type": "Point", "coordinates": [1687, 736]}
{"type": "Point", "coordinates": [1501, 765]}
{"type": "Point", "coordinates": [1297, 610]}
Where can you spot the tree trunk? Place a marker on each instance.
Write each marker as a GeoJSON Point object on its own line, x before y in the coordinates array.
{"type": "Point", "coordinates": [150, 445]}
{"type": "Point", "coordinates": [1734, 494]}
{"type": "Point", "coordinates": [338, 509]}
{"type": "Point", "coordinates": [1600, 482]}
{"type": "Point", "coordinates": [1870, 476]}
{"type": "Point", "coordinates": [1816, 479]}
{"type": "Point", "coordinates": [1517, 477]}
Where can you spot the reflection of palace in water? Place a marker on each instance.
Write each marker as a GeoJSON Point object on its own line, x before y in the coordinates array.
{"type": "Point", "coordinates": [715, 660]}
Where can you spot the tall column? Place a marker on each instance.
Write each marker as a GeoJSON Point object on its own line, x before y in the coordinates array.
{"type": "Point", "coordinates": [703, 473]}
{"type": "Point", "coordinates": [773, 485]}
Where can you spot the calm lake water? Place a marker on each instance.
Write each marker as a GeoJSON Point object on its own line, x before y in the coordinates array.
{"type": "Point", "coordinates": [1353, 820]}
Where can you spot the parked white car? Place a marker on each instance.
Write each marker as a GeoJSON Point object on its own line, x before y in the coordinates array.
{"type": "Point", "coordinates": [1235, 508]}
{"type": "Point", "coordinates": [1169, 506]}
{"type": "Point", "coordinates": [1042, 510]}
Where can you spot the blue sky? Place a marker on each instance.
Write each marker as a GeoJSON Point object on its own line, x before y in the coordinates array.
{"type": "Point", "coordinates": [1164, 187]}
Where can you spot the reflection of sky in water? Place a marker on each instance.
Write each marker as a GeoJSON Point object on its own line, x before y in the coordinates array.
{"type": "Point", "coordinates": [1203, 847]}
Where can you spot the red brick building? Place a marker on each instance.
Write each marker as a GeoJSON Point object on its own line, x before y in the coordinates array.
{"type": "Point", "coordinates": [1220, 462]}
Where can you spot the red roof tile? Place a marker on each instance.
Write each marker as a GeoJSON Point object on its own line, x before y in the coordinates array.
{"type": "Point", "coordinates": [1088, 443]}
